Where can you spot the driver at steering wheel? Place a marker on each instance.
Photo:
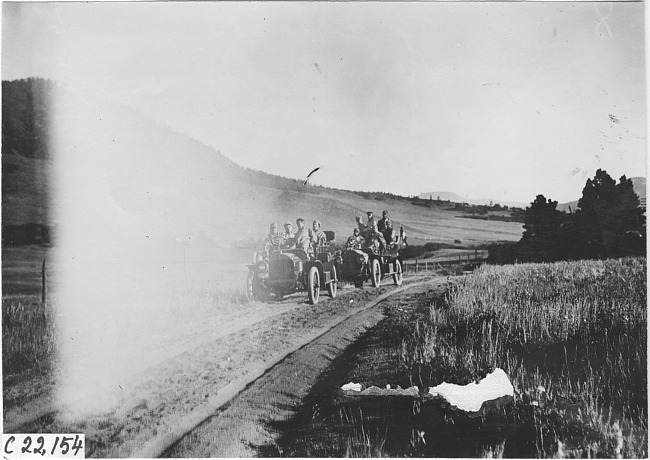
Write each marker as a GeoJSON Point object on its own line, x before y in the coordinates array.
{"type": "Point", "coordinates": [273, 239]}
{"type": "Point", "coordinates": [355, 241]}
{"type": "Point", "coordinates": [289, 237]}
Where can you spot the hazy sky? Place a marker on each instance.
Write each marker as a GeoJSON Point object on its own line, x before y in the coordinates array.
{"type": "Point", "coordinates": [500, 100]}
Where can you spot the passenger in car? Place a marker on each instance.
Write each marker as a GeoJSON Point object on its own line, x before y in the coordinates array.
{"type": "Point", "coordinates": [272, 239]}
{"type": "Point", "coordinates": [373, 233]}
{"type": "Point", "coordinates": [355, 241]}
{"type": "Point", "coordinates": [402, 235]}
{"type": "Point", "coordinates": [318, 237]}
{"type": "Point", "coordinates": [385, 227]}
{"type": "Point", "coordinates": [289, 237]}
{"type": "Point", "coordinates": [371, 225]}
{"type": "Point", "coordinates": [302, 237]}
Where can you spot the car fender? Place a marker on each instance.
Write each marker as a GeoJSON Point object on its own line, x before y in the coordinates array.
{"type": "Point", "coordinates": [324, 270]}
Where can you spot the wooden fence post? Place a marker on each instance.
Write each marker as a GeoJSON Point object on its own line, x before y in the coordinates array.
{"type": "Point", "coordinates": [44, 283]}
{"type": "Point", "coordinates": [416, 265]}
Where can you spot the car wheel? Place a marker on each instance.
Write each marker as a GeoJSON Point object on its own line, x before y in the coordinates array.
{"type": "Point", "coordinates": [250, 291]}
{"type": "Point", "coordinates": [331, 287]}
{"type": "Point", "coordinates": [397, 276]}
{"type": "Point", "coordinates": [313, 285]}
{"type": "Point", "coordinates": [376, 273]}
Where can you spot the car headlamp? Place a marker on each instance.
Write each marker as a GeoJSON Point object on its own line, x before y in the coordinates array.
{"type": "Point", "coordinates": [360, 258]}
{"type": "Point", "coordinates": [262, 266]}
{"type": "Point", "coordinates": [339, 260]}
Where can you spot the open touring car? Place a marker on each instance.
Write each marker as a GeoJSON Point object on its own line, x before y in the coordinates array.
{"type": "Point", "coordinates": [370, 262]}
{"type": "Point", "coordinates": [286, 271]}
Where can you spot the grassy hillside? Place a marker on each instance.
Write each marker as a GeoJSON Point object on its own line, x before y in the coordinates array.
{"type": "Point", "coordinates": [113, 168]}
{"type": "Point", "coordinates": [25, 160]}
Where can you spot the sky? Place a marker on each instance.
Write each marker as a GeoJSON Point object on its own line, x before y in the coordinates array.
{"type": "Point", "coordinates": [487, 100]}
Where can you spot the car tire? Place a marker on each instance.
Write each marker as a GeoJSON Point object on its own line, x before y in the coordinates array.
{"type": "Point", "coordinates": [397, 276]}
{"type": "Point", "coordinates": [375, 273]}
{"type": "Point", "coordinates": [313, 285]}
{"type": "Point", "coordinates": [250, 290]}
{"type": "Point", "coordinates": [331, 287]}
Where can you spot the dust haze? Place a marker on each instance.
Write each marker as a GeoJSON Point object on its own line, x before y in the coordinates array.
{"type": "Point", "coordinates": [147, 227]}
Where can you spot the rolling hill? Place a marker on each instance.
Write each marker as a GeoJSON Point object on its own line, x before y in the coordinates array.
{"type": "Point", "coordinates": [100, 170]}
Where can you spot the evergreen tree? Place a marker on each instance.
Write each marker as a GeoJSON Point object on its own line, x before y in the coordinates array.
{"type": "Point", "coordinates": [543, 238]}
{"type": "Point", "coordinates": [609, 221]}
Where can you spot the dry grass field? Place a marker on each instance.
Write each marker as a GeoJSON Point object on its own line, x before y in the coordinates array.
{"type": "Point", "coordinates": [571, 337]}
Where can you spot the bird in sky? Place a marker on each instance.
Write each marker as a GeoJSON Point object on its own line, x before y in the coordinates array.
{"type": "Point", "coordinates": [309, 175]}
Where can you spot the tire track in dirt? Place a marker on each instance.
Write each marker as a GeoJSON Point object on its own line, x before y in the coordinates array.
{"type": "Point", "coordinates": [235, 427]}
{"type": "Point", "coordinates": [29, 412]}
{"type": "Point", "coordinates": [154, 403]}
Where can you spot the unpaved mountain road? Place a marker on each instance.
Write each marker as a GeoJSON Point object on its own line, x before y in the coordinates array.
{"type": "Point", "coordinates": [206, 384]}
{"type": "Point", "coordinates": [245, 423]}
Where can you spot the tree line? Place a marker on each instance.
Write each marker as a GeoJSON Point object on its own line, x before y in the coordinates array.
{"type": "Point", "coordinates": [608, 223]}
{"type": "Point", "coordinates": [25, 110]}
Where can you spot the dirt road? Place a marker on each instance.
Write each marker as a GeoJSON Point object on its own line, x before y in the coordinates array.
{"type": "Point", "coordinates": [154, 408]}
{"type": "Point", "coordinates": [246, 422]}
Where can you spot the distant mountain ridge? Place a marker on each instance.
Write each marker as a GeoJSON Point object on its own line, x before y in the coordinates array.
{"type": "Point", "coordinates": [455, 198]}
{"type": "Point", "coordinates": [639, 184]}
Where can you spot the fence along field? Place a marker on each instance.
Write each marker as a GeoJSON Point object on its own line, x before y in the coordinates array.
{"type": "Point", "coordinates": [572, 338]}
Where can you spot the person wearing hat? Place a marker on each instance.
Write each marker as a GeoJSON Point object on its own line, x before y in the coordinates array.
{"type": "Point", "coordinates": [372, 233]}
{"type": "Point", "coordinates": [385, 227]}
{"type": "Point", "coordinates": [371, 225]}
{"type": "Point", "coordinates": [289, 236]}
{"type": "Point", "coordinates": [355, 241]}
{"type": "Point", "coordinates": [318, 237]}
{"type": "Point", "coordinates": [302, 237]}
{"type": "Point", "coordinates": [273, 239]}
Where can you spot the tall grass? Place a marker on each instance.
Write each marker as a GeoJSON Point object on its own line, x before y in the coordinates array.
{"type": "Point", "coordinates": [363, 441]}
{"type": "Point", "coordinates": [29, 335]}
{"type": "Point", "coordinates": [572, 337]}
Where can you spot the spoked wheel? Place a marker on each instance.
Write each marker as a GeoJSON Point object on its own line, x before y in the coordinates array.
{"type": "Point", "coordinates": [331, 287]}
{"type": "Point", "coordinates": [397, 276]}
{"type": "Point", "coordinates": [313, 285]}
{"type": "Point", "coordinates": [376, 273]}
{"type": "Point", "coordinates": [250, 291]}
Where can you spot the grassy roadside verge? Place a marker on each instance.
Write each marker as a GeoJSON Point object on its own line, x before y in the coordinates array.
{"type": "Point", "coordinates": [571, 337]}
